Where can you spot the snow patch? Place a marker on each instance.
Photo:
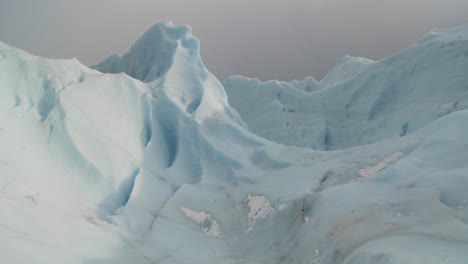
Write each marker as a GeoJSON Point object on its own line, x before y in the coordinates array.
{"type": "Point", "coordinates": [197, 217]}
{"type": "Point", "coordinates": [318, 258]}
{"type": "Point", "coordinates": [209, 225]}
{"type": "Point", "coordinates": [373, 170]}
{"type": "Point", "coordinates": [259, 208]}
{"type": "Point", "coordinates": [305, 217]}
{"type": "Point", "coordinates": [281, 207]}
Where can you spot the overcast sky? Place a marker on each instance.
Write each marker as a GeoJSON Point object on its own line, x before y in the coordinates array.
{"type": "Point", "coordinates": [268, 39]}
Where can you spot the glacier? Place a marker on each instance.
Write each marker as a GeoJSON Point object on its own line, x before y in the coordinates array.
{"type": "Point", "coordinates": [147, 158]}
{"type": "Point", "coordinates": [360, 101]}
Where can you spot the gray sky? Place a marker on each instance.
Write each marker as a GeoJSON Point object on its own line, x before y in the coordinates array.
{"type": "Point", "coordinates": [268, 39]}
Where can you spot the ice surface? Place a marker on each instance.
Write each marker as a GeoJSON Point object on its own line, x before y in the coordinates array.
{"type": "Point", "coordinates": [148, 163]}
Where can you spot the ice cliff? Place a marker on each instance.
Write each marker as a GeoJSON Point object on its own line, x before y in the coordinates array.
{"type": "Point", "coordinates": [143, 160]}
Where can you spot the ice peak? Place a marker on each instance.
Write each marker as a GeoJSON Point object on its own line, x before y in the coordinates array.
{"type": "Point", "coordinates": [346, 68]}
{"type": "Point", "coordinates": [445, 35]}
{"type": "Point", "coordinates": [350, 59]}
{"type": "Point", "coordinates": [152, 54]}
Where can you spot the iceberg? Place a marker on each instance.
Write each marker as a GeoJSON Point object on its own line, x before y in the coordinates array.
{"type": "Point", "coordinates": [144, 158]}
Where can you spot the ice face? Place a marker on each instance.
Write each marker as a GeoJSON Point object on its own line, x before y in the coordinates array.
{"type": "Point", "coordinates": [110, 168]}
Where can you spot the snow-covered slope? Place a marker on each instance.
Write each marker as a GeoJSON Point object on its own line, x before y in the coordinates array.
{"type": "Point", "coordinates": [104, 168]}
{"type": "Point", "coordinates": [371, 102]}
